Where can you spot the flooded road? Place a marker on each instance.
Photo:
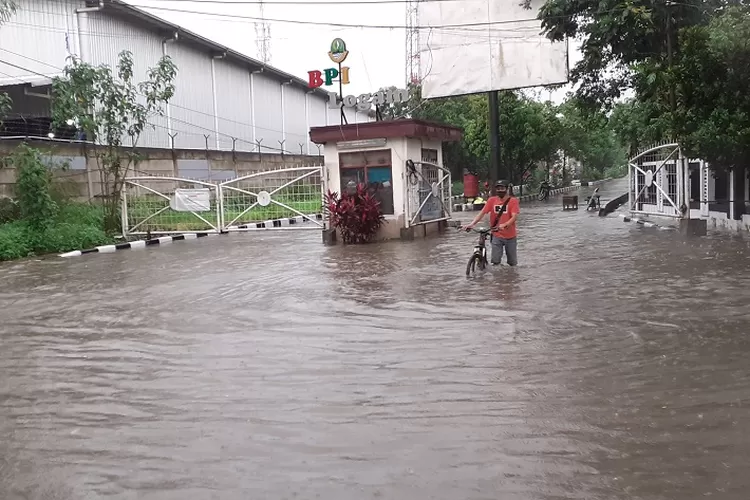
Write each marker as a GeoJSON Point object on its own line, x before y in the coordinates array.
{"type": "Point", "coordinates": [611, 364]}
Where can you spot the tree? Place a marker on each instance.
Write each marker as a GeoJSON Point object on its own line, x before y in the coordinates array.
{"type": "Point", "coordinates": [532, 134]}
{"type": "Point", "coordinates": [711, 80]}
{"type": "Point", "coordinates": [5, 105]}
{"type": "Point", "coordinates": [529, 133]}
{"type": "Point", "coordinates": [617, 36]}
{"type": "Point", "coordinates": [589, 137]}
{"type": "Point", "coordinates": [707, 81]}
{"type": "Point", "coordinates": [112, 110]}
{"type": "Point", "coordinates": [448, 110]}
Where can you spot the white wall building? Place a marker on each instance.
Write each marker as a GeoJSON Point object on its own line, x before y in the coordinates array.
{"type": "Point", "coordinates": [223, 98]}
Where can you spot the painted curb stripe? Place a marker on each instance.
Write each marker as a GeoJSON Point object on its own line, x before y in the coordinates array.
{"type": "Point", "coordinates": [164, 240]}
{"type": "Point", "coordinates": [277, 223]}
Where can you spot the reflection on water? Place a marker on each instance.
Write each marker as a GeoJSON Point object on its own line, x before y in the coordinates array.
{"type": "Point", "coordinates": [610, 364]}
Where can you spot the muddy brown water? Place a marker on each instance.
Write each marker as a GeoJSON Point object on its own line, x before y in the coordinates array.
{"type": "Point", "coordinates": [611, 364]}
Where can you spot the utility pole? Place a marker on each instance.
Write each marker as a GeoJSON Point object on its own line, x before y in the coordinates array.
{"type": "Point", "coordinates": [496, 169]}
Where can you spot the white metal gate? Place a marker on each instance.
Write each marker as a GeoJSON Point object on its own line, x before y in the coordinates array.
{"type": "Point", "coordinates": [658, 182]}
{"type": "Point", "coordinates": [148, 208]}
{"type": "Point", "coordinates": [428, 193]}
{"type": "Point", "coordinates": [288, 198]}
{"type": "Point", "coordinates": [281, 198]}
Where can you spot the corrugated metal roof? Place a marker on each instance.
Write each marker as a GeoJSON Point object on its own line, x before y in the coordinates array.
{"type": "Point", "coordinates": [118, 7]}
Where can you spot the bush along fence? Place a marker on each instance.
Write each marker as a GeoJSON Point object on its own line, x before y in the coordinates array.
{"type": "Point", "coordinates": [469, 207]}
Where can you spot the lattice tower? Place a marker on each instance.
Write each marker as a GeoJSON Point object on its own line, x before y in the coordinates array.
{"type": "Point", "coordinates": [413, 60]}
{"type": "Point", "coordinates": [263, 37]}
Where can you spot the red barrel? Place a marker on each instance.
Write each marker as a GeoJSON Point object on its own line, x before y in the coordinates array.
{"type": "Point", "coordinates": [471, 186]}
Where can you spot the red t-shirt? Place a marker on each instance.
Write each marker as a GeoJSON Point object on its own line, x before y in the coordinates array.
{"type": "Point", "coordinates": [493, 207]}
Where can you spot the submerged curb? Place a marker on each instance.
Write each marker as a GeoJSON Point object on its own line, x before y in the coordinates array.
{"type": "Point", "coordinates": [645, 223]}
{"type": "Point", "coordinates": [276, 223]}
{"type": "Point", "coordinates": [163, 240]}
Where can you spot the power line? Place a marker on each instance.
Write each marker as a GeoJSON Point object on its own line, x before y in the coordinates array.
{"type": "Point", "coordinates": [340, 25]}
{"type": "Point", "coordinates": [468, 33]}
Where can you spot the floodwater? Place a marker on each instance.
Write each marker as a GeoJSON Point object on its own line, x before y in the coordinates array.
{"type": "Point", "coordinates": [611, 364]}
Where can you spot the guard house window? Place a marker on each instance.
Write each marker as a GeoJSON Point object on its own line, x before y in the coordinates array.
{"type": "Point", "coordinates": [372, 168]}
{"type": "Point", "coordinates": [430, 155]}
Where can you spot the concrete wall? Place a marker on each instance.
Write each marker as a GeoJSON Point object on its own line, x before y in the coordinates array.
{"type": "Point", "coordinates": [82, 177]}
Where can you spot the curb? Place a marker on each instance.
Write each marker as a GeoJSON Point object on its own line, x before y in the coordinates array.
{"type": "Point", "coordinates": [162, 240]}
{"type": "Point", "coordinates": [137, 244]}
{"type": "Point", "coordinates": [645, 223]}
{"type": "Point", "coordinates": [275, 223]}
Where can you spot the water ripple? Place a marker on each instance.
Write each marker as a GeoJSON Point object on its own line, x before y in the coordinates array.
{"type": "Point", "coordinates": [611, 364]}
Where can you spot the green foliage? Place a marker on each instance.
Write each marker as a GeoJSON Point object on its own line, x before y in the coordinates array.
{"type": "Point", "coordinates": [711, 77]}
{"type": "Point", "coordinates": [591, 139]}
{"type": "Point", "coordinates": [708, 78]}
{"type": "Point", "coordinates": [9, 210]}
{"type": "Point", "coordinates": [533, 134]}
{"type": "Point", "coordinates": [33, 185]}
{"type": "Point", "coordinates": [616, 36]}
{"type": "Point", "coordinates": [76, 226]}
{"type": "Point", "coordinates": [14, 241]}
{"type": "Point", "coordinates": [35, 223]}
{"type": "Point", "coordinates": [6, 104]}
{"type": "Point", "coordinates": [112, 110]}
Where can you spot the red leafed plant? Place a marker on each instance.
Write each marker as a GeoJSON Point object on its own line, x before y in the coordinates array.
{"type": "Point", "coordinates": [356, 215]}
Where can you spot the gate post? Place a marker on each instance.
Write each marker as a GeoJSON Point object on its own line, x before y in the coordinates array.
{"type": "Point", "coordinates": [124, 209]}
{"type": "Point", "coordinates": [220, 208]}
{"type": "Point", "coordinates": [683, 179]}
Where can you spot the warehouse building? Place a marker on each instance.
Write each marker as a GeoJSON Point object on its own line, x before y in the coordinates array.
{"type": "Point", "coordinates": [224, 100]}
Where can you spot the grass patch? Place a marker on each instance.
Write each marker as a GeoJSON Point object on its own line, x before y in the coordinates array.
{"type": "Point", "coordinates": [143, 216]}
{"type": "Point", "coordinates": [76, 226]}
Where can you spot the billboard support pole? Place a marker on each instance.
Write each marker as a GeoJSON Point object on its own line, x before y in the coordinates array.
{"type": "Point", "coordinates": [496, 169]}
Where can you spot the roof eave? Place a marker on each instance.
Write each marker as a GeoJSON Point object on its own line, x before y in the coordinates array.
{"type": "Point", "coordinates": [127, 10]}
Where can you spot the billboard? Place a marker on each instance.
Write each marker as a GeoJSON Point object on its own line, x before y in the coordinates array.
{"type": "Point", "coordinates": [473, 46]}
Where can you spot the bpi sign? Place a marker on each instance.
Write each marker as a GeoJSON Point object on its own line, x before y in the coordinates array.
{"type": "Point", "coordinates": [340, 75]}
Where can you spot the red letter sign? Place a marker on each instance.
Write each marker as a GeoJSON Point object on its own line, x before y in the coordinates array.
{"type": "Point", "coordinates": [314, 80]}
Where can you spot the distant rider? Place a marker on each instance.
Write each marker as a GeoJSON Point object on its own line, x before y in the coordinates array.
{"type": "Point", "coordinates": [504, 211]}
{"type": "Point", "coordinates": [544, 189]}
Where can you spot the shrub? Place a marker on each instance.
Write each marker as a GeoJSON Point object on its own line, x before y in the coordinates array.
{"type": "Point", "coordinates": [14, 241]}
{"type": "Point", "coordinates": [33, 184]}
{"type": "Point", "coordinates": [356, 215]}
{"type": "Point", "coordinates": [9, 210]}
{"type": "Point", "coordinates": [67, 236]}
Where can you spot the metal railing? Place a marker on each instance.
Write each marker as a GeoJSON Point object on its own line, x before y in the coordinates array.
{"type": "Point", "coordinates": [270, 199]}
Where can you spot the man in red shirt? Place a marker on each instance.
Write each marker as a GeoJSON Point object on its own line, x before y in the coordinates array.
{"type": "Point", "coordinates": [503, 209]}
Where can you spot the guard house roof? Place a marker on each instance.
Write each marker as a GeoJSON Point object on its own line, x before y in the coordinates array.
{"type": "Point", "coordinates": [123, 10]}
{"type": "Point", "coordinates": [386, 129]}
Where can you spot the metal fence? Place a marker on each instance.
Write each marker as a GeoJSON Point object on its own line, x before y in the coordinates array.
{"type": "Point", "coordinates": [290, 198]}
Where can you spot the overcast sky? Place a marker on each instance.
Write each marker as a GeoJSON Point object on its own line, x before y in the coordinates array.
{"type": "Point", "coordinates": [376, 55]}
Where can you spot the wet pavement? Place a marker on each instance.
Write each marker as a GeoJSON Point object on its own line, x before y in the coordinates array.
{"type": "Point", "coordinates": [611, 364]}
